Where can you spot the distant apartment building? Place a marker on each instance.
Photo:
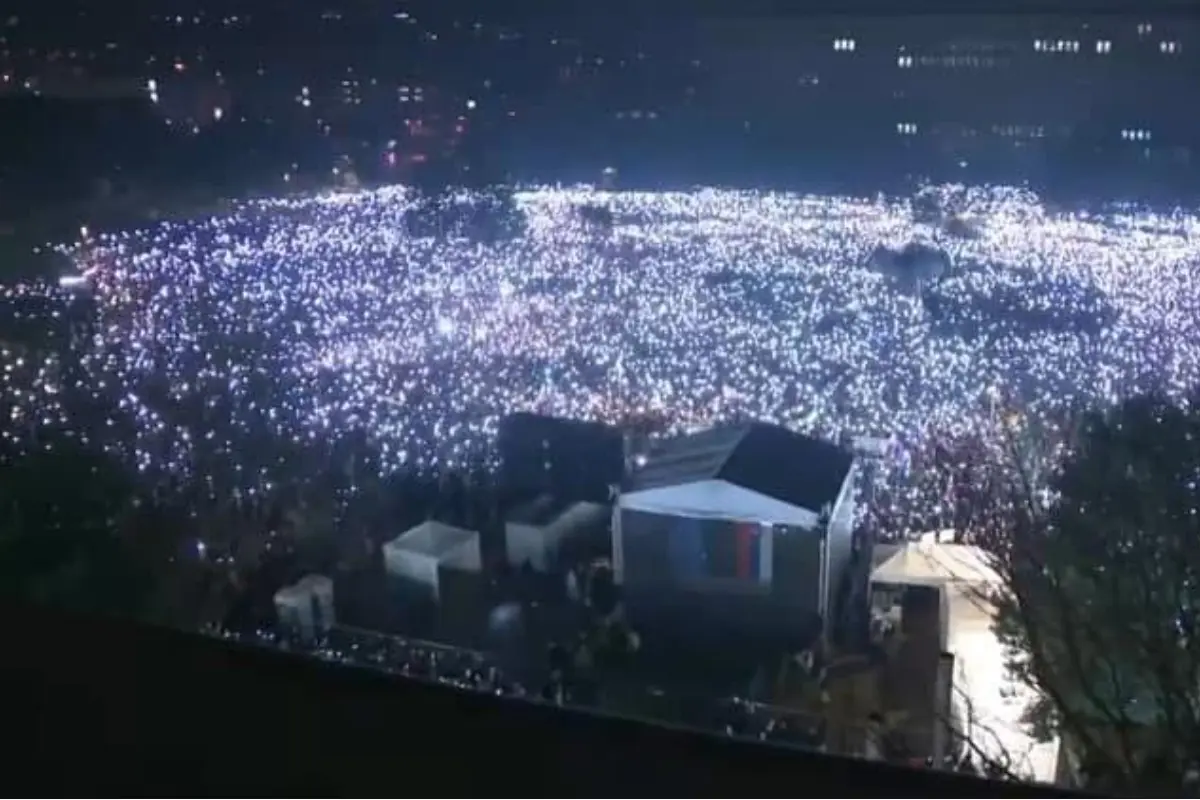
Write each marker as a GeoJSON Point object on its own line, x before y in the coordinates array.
{"type": "Point", "coordinates": [1025, 92]}
{"type": "Point", "coordinates": [1016, 94]}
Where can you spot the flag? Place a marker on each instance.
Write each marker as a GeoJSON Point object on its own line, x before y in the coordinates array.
{"type": "Point", "coordinates": [754, 551]}
{"type": "Point", "coordinates": [746, 536]}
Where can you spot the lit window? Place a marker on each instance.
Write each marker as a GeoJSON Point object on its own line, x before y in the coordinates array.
{"type": "Point", "coordinates": [904, 62]}
{"type": "Point", "coordinates": [1144, 28]}
{"type": "Point", "coordinates": [906, 128]}
{"type": "Point", "coordinates": [1168, 47]}
{"type": "Point", "coordinates": [844, 45]}
{"type": "Point", "coordinates": [1103, 46]}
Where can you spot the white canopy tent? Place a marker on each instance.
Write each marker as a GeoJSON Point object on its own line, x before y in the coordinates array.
{"type": "Point", "coordinates": [962, 572]}
{"type": "Point", "coordinates": [995, 702]}
{"type": "Point", "coordinates": [753, 472]}
{"type": "Point", "coordinates": [307, 605]}
{"type": "Point", "coordinates": [932, 563]}
{"type": "Point", "coordinates": [536, 536]}
{"type": "Point", "coordinates": [419, 554]}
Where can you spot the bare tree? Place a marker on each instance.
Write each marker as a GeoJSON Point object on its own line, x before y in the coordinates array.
{"type": "Point", "coordinates": [1095, 531]}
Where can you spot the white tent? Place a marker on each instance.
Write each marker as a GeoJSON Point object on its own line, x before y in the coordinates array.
{"type": "Point", "coordinates": [290, 609]}
{"type": "Point", "coordinates": [754, 473]}
{"type": "Point", "coordinates": [535, 534]}
{"type": "Point", "coordinates": [307, 605]}
{"type": "Point", "coordinates": [419, 554]}
{"type": "Point", "coordinates": [785, 485]}
{"type": "Point", "coordinates": [934, 564]}
{"type": "Point", "coordinates": [965, 577]}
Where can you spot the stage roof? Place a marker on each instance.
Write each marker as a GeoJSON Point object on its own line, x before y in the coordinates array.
{"type": "Point", "coordinates": [768, 460]}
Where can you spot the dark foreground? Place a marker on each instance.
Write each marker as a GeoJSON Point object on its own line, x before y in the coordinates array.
{"type": "Point", "coordinates": [98, 707]}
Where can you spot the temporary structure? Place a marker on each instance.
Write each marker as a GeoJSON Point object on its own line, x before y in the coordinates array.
{"type": "Point", "coordinates": [306, 606]}
{"type": "Point", "coordinates": [965, 578]}
{"type": "Point", "coordinates": [740, 530]}
{"type": "Point", "coordinates": [419, 555]}
{"type": "Point", "coordinates": [938, 565]}
{"type": "Point", "coordinates": [534, 534]}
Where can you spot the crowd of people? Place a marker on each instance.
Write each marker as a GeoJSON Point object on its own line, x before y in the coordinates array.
{"type": "Point", "coordinates": [225, 354]}
{"type": "Point", "coordinates": [322, 320]}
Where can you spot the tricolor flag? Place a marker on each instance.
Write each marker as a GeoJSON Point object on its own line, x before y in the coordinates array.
{"type": "Point", "coordinates": [753, 552]}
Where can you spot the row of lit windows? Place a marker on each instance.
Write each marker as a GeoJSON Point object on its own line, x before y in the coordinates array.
{"type": "Point", "coordinates": [1060, 46]}
{"type": "Point", "coordinates": [1010, 131]}
{"type": "Point", "coordinates": [1028, 131]}
{"type": "Point", "coordinates": [1102, 46]}
{"type": "Point", "coordinates": [1019, 131]}
{"type": "Point", "coordinates": [906, 62]}
{"type": "Point", "coordinates": [845, 45]}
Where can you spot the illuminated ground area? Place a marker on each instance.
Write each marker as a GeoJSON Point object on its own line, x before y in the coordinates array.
{"type": "Point", "coordinates": [991, 701]}
{"type": "Point", "coordinates": [313, 318]}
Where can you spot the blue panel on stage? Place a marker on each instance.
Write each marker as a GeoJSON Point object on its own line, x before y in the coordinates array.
{"type": "Point", "coordinates": [687, 549]}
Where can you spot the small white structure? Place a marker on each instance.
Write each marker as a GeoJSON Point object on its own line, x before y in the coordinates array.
{"type": "Point", "coordinates": [74, 283]}
{"type": "Point", "coordinates": [965, 578]}
{"type": "Point", "coordinates": [421, 553]}
{"type": "Point", "coordinates": [306, 607]}
{"type": "Point", "coordinates": [534, 534]}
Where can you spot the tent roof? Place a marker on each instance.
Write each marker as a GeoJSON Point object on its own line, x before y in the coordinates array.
{"type": "Point", "coordinates": [432, 538]}
{"type": "Point", "coordinates": [314, 583]}
{"type": "Point", "coordinates": [931, 564]}
{"type": "Point", "coordinates": [542, 510]}
{"type": "Point", "coordinates": [799, 470]}
{"type": "Point", "coordinates": [302, 590]}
